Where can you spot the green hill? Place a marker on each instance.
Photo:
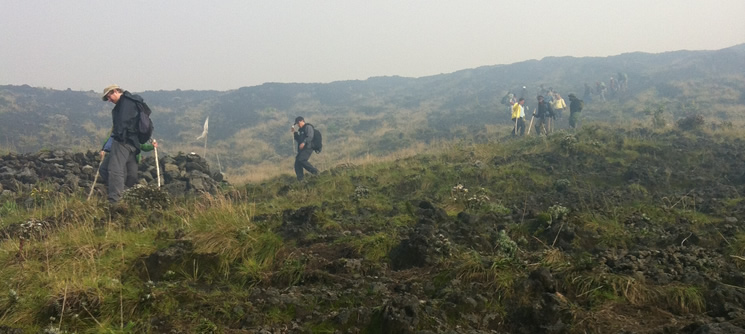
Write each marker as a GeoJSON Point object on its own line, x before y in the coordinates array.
{"type": "Point", "coordinates": [605, 230]}
{"type": "Point", "coordinates": [383, 115]}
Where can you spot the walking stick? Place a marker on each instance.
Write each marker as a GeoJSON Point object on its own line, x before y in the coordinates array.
{"type": "Point", "coordinates": [95, 179]}
{"type": "Point", "coordinates": [531, 124]}
{"type": "Point", "coordinates": [294, 149]}
{"type": "Point", "coordinates": [157, 162]}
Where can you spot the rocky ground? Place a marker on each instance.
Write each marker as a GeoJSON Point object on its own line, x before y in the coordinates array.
{"type": "Point", "coordinates": [65, 172]}
{"type": "Point", "coordinates": [603, 235]}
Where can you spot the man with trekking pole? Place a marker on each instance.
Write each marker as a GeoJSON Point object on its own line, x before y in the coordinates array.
{"type": "Point", "coordinates": [303, 135]}
{"type": "Point", "coordinates": [125, 144]}
{"type": "Point", "coordinates": [543, 113]}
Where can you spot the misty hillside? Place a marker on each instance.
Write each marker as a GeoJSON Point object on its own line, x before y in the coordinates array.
{"type": "Point", "coordinates": [249, 126]}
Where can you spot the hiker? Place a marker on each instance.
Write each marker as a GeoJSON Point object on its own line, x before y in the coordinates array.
{"type": "Point", "coordinates": [131, 179]}
{"type": "Point", "coordinates": [518, 117]}
{"type": "Point", "coordinates": [509, 100]}
{"type": "Point", "coordinates": [559, 105]}
{"type": "Point", "coordinates": [575, 107]}
{"type": "Point", "coordinates": [588, 93]}
{"type": "Point", "coordinates": [623, 81]}
{"type": "Point", "coordinates": [304, 138]}
{"type": "Point", "coordinates": [125, 145]}
{"type": "Point", "coordinates": [542, 113]}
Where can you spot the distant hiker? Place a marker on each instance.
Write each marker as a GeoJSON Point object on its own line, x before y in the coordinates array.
{"type": "Point", "coordinates": [623, 81]}
{"type": "Point", "coordinates": [506, 99]}
{"type": "Point", "coordinates": [542, 114]}
{"type": "Point", "coordinates": [602, 90]}
{"type": "Point", "coordinates": [559, 105]}
{"type": "Point", "coordinates": [588, 93]}
{"type": "Point", "coordinates": [575, 107]}
{"type": "Point", "coordinates": [518, 117]}
{"type": "Point", "coordinates": [524, 92]}
{"type": "Point", "coordinates": [304, 138]}
{"type": "Point", "coordinates": [125, 144]}
{"type": "Point", "coordinates": [131, 179]}
{"type": "Point", "coordinates": [509, 100]}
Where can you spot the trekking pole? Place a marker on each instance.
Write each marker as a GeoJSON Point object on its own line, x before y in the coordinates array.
{"type": "Point", "coordinates": [531, 124]}
{"type": "Point", "coordinates": [157, 162]}
{"type": "Point", "coordinates": [294, 149]}
{"type": "Point", "coordinates": [94, 180]}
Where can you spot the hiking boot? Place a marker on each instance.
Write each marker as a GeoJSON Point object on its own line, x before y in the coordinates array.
{"type": "Point", "coordinates": [119, 208]}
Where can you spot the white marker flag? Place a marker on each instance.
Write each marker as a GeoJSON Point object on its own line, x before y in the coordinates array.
{"type": "Point", "coordinates": [204, 132]}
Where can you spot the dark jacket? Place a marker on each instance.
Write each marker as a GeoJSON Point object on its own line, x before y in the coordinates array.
{"type": "Point", "coordinates": [124, 116]}
{"type": "Point", "coordinates": [305, 135]}
{"type": "Point", "coordinates": [544, 110]}
{"type": "Point", "coordinates": [575, 105]}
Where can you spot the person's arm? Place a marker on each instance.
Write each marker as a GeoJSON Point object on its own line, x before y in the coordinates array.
{"type": "Point", "coordinates": [107, 144]}
{"type": "Point", "coordinates": [309, 132]}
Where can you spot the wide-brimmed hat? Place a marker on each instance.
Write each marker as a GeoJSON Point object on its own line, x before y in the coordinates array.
{"type": "Point", "coordinates": [108, 90]}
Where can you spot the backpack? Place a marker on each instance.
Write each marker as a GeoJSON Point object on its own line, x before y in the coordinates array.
{"type": "Point", "coordinates": [317, 143]}
{"type": "Point", "coordinates": [144, 124]}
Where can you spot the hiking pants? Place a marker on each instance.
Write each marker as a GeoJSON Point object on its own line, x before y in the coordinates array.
{"type": "Point", "coordinates": [301, 162]}
{"type": "Point", "coordinates": [520, 126]}
{"type": "Point", "coordinates": [130, 180]}
{"type": "Point", "coordinates": [541, 125]}
{"type": "Point", "coordinates": [122, 162]}
{"type": "Point", "coordinates": [574, 120]}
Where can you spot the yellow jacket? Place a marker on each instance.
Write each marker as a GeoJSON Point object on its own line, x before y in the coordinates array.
{"type": "Point", "coordinates": [517, 111]}
{"type": "Point", "coordinates": [559, 104]}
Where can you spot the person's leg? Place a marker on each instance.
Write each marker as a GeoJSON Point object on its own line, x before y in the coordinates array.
{"type": "Point", "coordinates": [301, 155]}
{"type": "Point", "coordinates": [298, 170]}
{"type": "Point", "coordinates": [306, 164]}
{"type": "Point", "coordinates": [103, 171]}
{"type": "Point", "coordinates": [131, 178]}
{"type": "Point", "coordinates": [573, 120]}
{"type": "Point", "coordinates": [514, 128]}
{"type": "Point", "coordinates": [120, 154]}
{"type": "Point", "coordinates": [301, 162]}
{"type": "Point", "coordinates": [521, 126]}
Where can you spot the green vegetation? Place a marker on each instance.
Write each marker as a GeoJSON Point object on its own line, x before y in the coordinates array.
{"type": "Point", "coordinates": [272, 254]}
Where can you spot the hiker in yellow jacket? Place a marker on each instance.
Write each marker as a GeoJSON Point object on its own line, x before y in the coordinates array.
{"type": "Point", "coordinates": [518, 117]}
{"type": "Point", "coordinates": [559, 105]}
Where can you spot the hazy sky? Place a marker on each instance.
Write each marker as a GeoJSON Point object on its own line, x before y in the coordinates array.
{"type": "Point", "coordinates": [228, 44]}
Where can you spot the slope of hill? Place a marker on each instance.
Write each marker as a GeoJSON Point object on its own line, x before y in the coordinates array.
{"type": "Point", "coordinates": [378, 116]}
{"type": "Point", "coordinates": [605, 230]}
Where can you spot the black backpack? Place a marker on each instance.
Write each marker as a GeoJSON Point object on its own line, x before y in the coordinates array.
{"type": "Point", "coordinates": [144, 124]}
{"type": "Point", "coordinates": [317, 142]}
